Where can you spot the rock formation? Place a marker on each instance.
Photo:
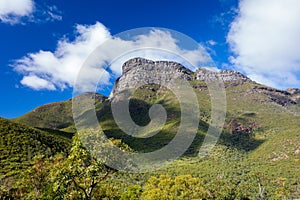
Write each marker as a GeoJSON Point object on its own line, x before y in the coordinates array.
{"type": "Point", "coordinates": [168, 70]}
{"type": "Point", "coordinates": [293, 91]}
{"type": "Point", "coordinates": [203, 74]}
{"type": "Point", "coordinates": [137, 70]}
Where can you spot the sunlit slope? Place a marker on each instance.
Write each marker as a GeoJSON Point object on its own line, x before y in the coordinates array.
{"type": "Point", "coordinates": [20, 143]}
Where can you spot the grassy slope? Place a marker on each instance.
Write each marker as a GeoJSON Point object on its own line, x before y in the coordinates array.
{"type": "Point", "coordinates": [276, 132]}
{"type": "Point", "coordinates": [56, 116]}
{"type": "Point", "coordinates": [52, 116]}
{"type": "Point", "coordinates": [20, 143]}
{"type": "Point", "coordinates": [271, 149]}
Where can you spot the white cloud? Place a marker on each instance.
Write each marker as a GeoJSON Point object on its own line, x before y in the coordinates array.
{"type": "Point", "coordinates": [37, 83]}
{"type": "Point", "coordinates": [211, 42]}
{"type": "Point", "coordinates": [20, 11]}
{"type": "Point", "coordinates": [53, 13]}
{"type": "Point", "coordinates": [265, 40]}
{"type": "Point", "coordinates": [61, 67]}
{"type": "Point", "coordinates": [12, 11]}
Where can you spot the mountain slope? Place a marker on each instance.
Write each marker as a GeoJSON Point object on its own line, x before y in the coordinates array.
{"type": "Point", "coordinates": [255, 113]}
{"type": "Point", "coordinates": [20, 143]}
{"type": "Point", "coordinates": [261, 132]}
{"type": "Point", "coordinates": [55, 116]}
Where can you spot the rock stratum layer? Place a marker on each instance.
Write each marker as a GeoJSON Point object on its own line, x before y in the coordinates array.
{"type": "Point", "coordinates": [137, 70]}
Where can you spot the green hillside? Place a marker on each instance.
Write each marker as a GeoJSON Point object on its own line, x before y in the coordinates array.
{"type": "Point", "coordinates": [261, 137]}
{"type": "Point", "coordinates": [55, 116]}
{"type": "Point", "coordinates": [259, 120]}
{"type": "Point", "coordinates": [257, 155]}
{"type": "Point", "coordinates": [20, 143]}
{"type": "Point", "coordinates": [52, 116]}
{"type": "Point", "coordinates": [266, 129]}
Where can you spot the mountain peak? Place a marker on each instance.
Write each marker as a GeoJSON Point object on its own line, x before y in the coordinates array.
{"type": "Point", "coordinates": [137, 69]}
{"type": "Point", "coordinates": [147, 64]}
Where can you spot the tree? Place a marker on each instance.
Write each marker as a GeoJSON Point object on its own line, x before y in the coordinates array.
{"type": "Point", "coordinates": [132, 193]}
{"type": "Point", "coordinates": [34, 181]}
{"type": "Point", "coordinates": [181, 187]}
{"type": "Point", "coordinates": [81, 171]}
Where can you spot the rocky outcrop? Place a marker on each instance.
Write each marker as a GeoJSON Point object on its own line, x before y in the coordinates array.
{"type": "Point", "coordinates": [280, 97]}
{"type": "Point", "coordinates": [140, 70]}
{"type": "Point", "coordinates": [293, 91]}
{"type": "Point", "coordinates": [203, 74]}
{"type": "Point", "coordinates": [271, 90]}
{"type": "Point", "coordinates": [237, 128]}
{"type": "Point", "coordinates": [99, 98]}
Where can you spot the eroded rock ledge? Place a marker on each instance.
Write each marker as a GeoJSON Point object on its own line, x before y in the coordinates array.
{"type": "Point", "coordinates": [137, 70]}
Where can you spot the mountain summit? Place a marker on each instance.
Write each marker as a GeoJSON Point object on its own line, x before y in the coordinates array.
{"type": "Point", "coordinates": [133, 73]}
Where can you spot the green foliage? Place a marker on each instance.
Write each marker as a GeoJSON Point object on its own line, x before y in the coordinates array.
{"type": "Point", "coordinates": [58, 116]}
{"type": "Point", "coordinates": [132, 193]}
{"type": "Point", "coordinates": [81, 174]}
{"type": "Point", "coordinates": [78, 176]}
{"type": "Point", "coordinates": [80, 171]}
{"type": "Point", "coordinates": [51, 116]}
{"type": "Point", "coordinates": [181, 187]}
{"type": "Point", "coordinates": [20, 143]}
{"type": "Point", "coordinates": [35, 182]}
{"type": "Point", "coordinates": [259, 164]}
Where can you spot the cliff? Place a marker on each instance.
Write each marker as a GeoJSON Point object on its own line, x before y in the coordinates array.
{"type": "Point", "coordinates": [138, 69]}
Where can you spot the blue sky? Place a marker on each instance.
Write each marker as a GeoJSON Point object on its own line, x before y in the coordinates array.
{"type": "Point", "coordinates": [240, 35]}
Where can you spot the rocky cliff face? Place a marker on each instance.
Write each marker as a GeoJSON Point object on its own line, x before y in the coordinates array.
{"type": "Point", "coordinates": [138, 69]}
{"type": "Point", "coordinates": [203, 74]}
{"type": "Point", "coordinates": [293, 91]}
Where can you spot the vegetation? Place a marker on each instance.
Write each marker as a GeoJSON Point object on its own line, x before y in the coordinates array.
{"type": "Point", "coordinates": [51, 116]}
{"type": "Point", "coordinates": [257, 156]}
{"type": "Point", "coordinates": [20, 143]}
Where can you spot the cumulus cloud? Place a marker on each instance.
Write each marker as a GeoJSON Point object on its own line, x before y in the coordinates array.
{"type": "Point", "coordinates": [18, 11]}
{"type": "Point", "coordinates": [61, 67]}
{"type": "Point", "coordinates": [37, 83]}
{"type": "Point", "coordinates": [265, 40]}
{"type": "Point", "coordinates": [12, 11]}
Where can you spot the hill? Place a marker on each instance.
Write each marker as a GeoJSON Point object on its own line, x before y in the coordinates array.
{"type": "Point", "coordinates": [257, 115]}
{"type": "Point", "coordinates": [20, 143]}
{"type": "Point", "coordinates": [55, 116]}
{"type": "Point", "coordinates": [260, 140]}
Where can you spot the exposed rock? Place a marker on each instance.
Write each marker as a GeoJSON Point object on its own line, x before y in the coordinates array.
{"type": "Point", "coordinates": [142, 71]}
{"type": "Point", "coordinates": [90, 95]}
{"type": "Point", "coordinates": [236, 127]}
{"type": "Point", "coordinates": [282, 101]}
{"type": "Point", "coordinates": [137, 70]}
{"type": "Point", "coordinates": [269, 89]}
{"type": "Point", "coordinates": [293, 91]}
{"type": "Point", "coordinates": [203, 74]}
{"type": "Point", "coordinates": [280, 97]}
